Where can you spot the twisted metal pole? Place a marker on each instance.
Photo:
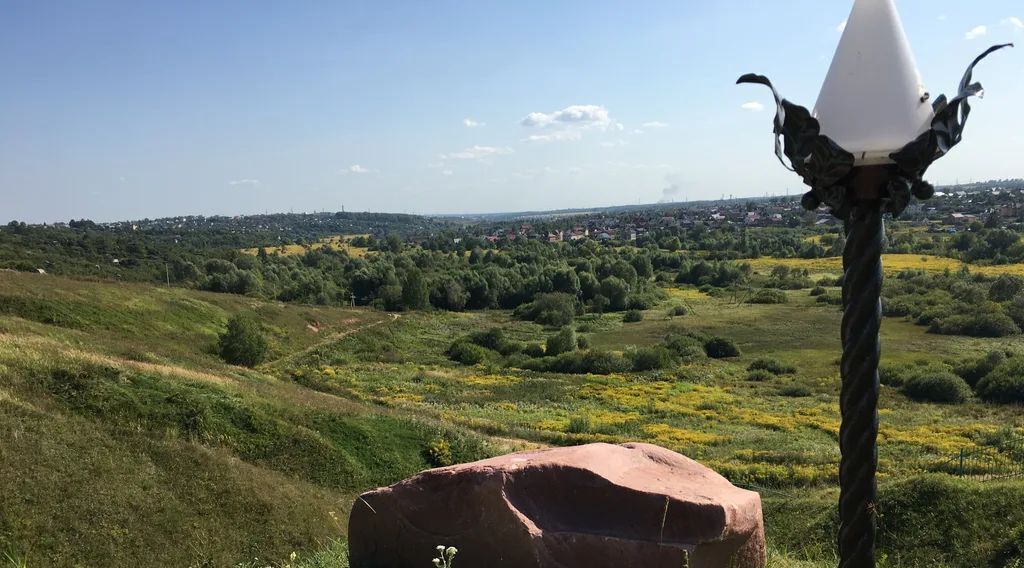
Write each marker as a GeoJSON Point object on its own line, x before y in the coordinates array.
{"type": "Point", "coordinates": [862, 317]}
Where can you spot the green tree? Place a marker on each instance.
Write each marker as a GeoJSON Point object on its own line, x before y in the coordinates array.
{"type": "Point", "coordinates": [243, 342]}
{"type": "Point", "coordinates": [562, 342]}
{"type": "Point", "coordinates": [415, 292]}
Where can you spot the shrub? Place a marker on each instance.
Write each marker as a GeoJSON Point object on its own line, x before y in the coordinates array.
{"type": "Point", "coordinates": [831, 298]}
{"type": "Point", "coordinates": [685, 347]}
{"type": "Point", "coordinates": [562, 342]}
{"type": "Point", "coordinates": [678, 311]}
{"type": "Point", "coordinates": [468, 353]}
{"type": "Point", "coordinates": [632, 316]}
{"type": "Point", "coordinates": [439, 453]}
{"type": "Point", "coordinates": [768, 296]}
{"type": "Point", "coordinates": [555, 309]}
{"type": "Point", "coordinates": [773, 366]}
{"type": "Point", "coordinates": [973, 370]}
{"type": "Point", "coordinates": [534, 350]}
{"type": "Point", "coordinates": [976, 325]}
{"type": "Point", "coordinates": [795, 391]}
{"type": "Point", "coordinates": [1005, 383]}
{"type": "Point", "coordinates": [243, 342]}
{"type": "Point", "coordinates": [936, 386]}
{"type": "Point", "coordinates": [1005, 288]}
{"type": "Point", "coordinates": [721, 348]}
{"type": "Point", "coordinates": [892, 375]}
{"type": "Point", "coordinates": [827, 281]}
{"type": "Point", "coordinates": [495, 340]}
{"type": "Point", "coordinates": [818, 291]}
{"type": "Point", "coordinates": [650, 358]}
{"type": "Point", "coordinates": [582, 342]}
{"type": "Point", "coordinates": [581, 362]}
{"type": "Point", "coordinates": [578, 425]}
{"type": "Point", "coordinates": [760, 375]}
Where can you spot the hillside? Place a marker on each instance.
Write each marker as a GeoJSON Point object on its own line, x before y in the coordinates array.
{"type": "Point", "coordinates": [126, 442]}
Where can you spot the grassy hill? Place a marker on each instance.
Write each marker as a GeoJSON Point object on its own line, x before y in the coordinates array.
{"type": "Point", "coordinates": [125, 441]}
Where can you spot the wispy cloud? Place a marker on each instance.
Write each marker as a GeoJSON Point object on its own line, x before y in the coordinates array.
{"type": "Point", "coordinates": [556, 136]}
{"type": "Point", "coordinates": [1014, 22]}
{"type": "Point", "coordinates": [655, 124]}
{"type": "Point", "coordinates": [357, 169]}
{"type": "Point", "coordinates": [976, 32]}
{"type": "Point", "coordinates": [471, 123]}
{"type": "Point", "coordinates": [477, 153]}
{"type": "Point", "coordinates": [841, 27]}
{"type": "Point", "coordinates": [752, 106]}
{"type": "Point", "coordinates": [447, 172]}
{"type": "Point", "coordinates": [244, 182]}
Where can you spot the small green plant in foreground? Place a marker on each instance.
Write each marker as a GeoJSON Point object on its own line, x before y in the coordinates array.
{"type": "Point", "coordinates": [446, 558]}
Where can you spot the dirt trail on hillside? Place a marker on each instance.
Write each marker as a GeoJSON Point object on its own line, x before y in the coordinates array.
{"type": "Point", "coordinates": [335, 337]}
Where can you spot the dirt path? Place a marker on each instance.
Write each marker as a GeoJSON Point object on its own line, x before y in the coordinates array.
{"type": "Point", "coordinates": [335, 337]}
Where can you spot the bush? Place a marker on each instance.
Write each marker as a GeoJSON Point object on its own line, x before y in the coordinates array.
{"type": "Point", "coordinates": [929, 385]}
{"type": "Point", "coordinates": [534, 350]}
{"type": "Point", "coordinates": [976, 325]}
{"type": "Point", "coordinates": [632, 316]}
{"type": "Point", "coordinates": [243, 342]}
{"type": "Point", "coordinates": [1005, 383]}
{"type": "Point", "coordinates": [892, 375]}
{"type": "Point", "coordinates": [468, 353]}
{"type": "Point", "coordinates": [973, 370]}
{"type": "Point", "coordinates": [555, 309]}
{"type": "Point", "coordinates": [773, 366]}
{"type": "Point", "coordinates": [578, 425]}
{"type": "Point", "coordinates": [562, 342]}
{"type": "Point", "coordinates": [678, 311]}
{"type": "Point", "coordinates": [582, 342]}
{"type": "Point", "coordinates": [651, 358]}
{"type": "Point", "coordinates": [818, 291]}
{"type": "Point", "coordinates": [1005, 288]}
{"type": "Point", "coordinates": [685, 347]}
{"type": "Point", "coordinates": [495, 340]}
{"type": "Point", "coordinates": [795, 391]}
{"type": "Point", "coordinates": [582, 362]}
{"type": "Point", "coordinates": [721, 348]}
{"type": "Point", "coordinates": [768, 296]}
{"type": "Point", "coordinates": [760, 375]}
{"type": "Point", "coordinates": [831, 298]}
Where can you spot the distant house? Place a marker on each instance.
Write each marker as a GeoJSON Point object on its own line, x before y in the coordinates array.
{"type": "Point", "coordinates": [961, 219]}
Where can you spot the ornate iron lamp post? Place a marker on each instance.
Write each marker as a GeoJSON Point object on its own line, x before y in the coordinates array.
{"type": "Point", "coordinates": [864, 152]}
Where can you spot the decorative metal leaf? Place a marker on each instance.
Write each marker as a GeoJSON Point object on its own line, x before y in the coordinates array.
{"type": "Point", "coordinates": [824, 165]}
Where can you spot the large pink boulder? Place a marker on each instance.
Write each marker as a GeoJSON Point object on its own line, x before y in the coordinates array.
{"type": "Point", "coordinates": [593, 506]}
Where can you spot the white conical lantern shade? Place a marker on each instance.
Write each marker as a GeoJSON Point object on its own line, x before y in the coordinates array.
{"type": "Point", "coordinates": [871, 103]}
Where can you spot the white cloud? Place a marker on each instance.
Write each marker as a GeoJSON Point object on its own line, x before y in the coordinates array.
{"type": "Point", "coordinates": [841, 27]}
{"type": "Point", "coordinates": [1014, 22]}
{"type": "Point", "coordinates": [555, 136]}
{"type": "Point", "coordinates": [655, 124]}
{"type": "Point", "coordinates": [477, 153]}
{"type": "Point", "coordinates": [447, 172]}
{"type": "Point", "coordinates": [357, 169]}
{"type": "Point", "coordinates": [614, 143]}
{"type": "Point", "coordinates": [244, 182]}
{"type": "Point", "coordinates": [637, 131]}
{"type": "Point", "coordinates": [471, 123]}
{"type": "Point", "coordinates": [752, 106]}
{"type": "Point", "coordinates": [575, 115]}
{"type": "Point", "coordinates": [975, 33]}
{"type": "Point", "coordinates": [435, 165]}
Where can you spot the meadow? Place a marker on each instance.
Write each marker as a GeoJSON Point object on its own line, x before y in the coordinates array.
{"type": "Point", "coordinates": [127, 441]}
{"type": "Point", "coordinates": [334, 243]}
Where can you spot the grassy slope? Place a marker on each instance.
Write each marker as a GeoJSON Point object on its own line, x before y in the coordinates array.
{"type": "Point", "coordinates": [142, 448]}
{"type": "Point", "coordinates": [747, 430]}
{"type": "Point", "coordinates": [126, 442]}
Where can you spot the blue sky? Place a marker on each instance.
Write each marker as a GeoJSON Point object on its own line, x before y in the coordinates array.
{"type": "Point", "coordinates": [135, 108]}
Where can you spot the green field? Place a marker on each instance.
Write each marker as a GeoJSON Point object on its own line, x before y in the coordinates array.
{"type": "Point", "coordinates": [126, 441]}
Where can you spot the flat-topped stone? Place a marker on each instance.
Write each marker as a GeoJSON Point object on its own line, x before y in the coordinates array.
{"type": "Point", "coordinates": [593, 506]}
